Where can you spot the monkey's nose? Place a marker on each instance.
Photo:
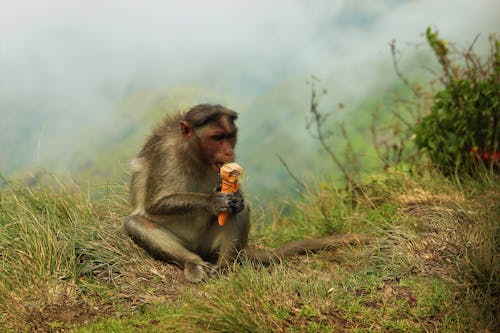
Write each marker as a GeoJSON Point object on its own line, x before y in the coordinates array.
{"type": "Point", "coordinates": [229, 154]}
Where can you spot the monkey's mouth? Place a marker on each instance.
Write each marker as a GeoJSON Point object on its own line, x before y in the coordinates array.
{"type": "Point", "coordinates": [218, 165]}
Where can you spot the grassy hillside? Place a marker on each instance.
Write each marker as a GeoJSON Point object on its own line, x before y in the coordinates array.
{"type": "Point", "coordinates": [431, 264]}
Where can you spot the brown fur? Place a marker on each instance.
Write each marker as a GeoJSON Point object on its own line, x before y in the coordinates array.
{"type": "Point", "coordinates": [172, 193]}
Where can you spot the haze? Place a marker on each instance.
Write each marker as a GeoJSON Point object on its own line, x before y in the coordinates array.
{"type": "Point", "coordinates": [66, 64]}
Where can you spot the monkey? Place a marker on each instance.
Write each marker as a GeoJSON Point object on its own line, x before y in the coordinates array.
{"type": "Point", "coordinates": [175, 196]}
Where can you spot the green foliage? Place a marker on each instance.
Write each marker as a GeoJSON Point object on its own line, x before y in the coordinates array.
{"type": "Point", "coordinates": [463, 120]}
{"type": "Point", "coordinates": [462, 126]}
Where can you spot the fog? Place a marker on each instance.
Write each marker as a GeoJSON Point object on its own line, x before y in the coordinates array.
{"type": "Point", "coordinates": [66, 64]}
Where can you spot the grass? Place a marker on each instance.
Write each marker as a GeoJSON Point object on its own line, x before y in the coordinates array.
{"type": "Point", "coordinates": [432, 264]}
{"type": "Point", "coordinates": [62, 255]}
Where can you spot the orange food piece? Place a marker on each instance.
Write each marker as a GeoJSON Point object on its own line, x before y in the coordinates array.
{"type": "Point", "coordinates": [230, 174]}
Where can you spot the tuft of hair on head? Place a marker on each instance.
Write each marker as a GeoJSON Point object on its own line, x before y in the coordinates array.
{"type": "Point", "coordinates": [201, 114]}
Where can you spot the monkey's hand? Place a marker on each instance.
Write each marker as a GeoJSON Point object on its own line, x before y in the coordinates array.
{"type": "Point", "coordinates": [227, 202]}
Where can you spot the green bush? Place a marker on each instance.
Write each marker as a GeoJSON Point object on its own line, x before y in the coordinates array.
{"type": "Point", "coordinates": [461, 129]}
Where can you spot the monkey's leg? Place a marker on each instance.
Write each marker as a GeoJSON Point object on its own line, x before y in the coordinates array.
{"type": "Point", "coordinates": [232, 238]}
{"type": "Point", "coordinates": [164, 245]}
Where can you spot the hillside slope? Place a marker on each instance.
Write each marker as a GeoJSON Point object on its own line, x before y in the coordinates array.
{"type": "Point", "coordinates": [431, 265]}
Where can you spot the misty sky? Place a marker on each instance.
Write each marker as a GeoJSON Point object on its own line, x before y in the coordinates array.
{"type": "Point", "coordinates": [66, 63]}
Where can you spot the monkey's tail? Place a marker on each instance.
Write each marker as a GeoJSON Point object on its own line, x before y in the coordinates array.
{"type": "Point", "coordinates": [302, 246]}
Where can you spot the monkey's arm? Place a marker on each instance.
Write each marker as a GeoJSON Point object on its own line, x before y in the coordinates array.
{"type": "Point", "coordinates": [189, 202]}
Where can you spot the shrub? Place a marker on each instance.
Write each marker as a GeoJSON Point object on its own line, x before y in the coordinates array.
{"type": "Point", "coordinates": [461, 129]}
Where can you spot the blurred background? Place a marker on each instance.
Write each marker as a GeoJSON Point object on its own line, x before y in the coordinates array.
{"type": "Point", "coordinates": [83, 82]}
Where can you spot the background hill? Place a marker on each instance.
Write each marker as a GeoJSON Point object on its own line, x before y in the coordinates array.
{"type": "Point", "coordinates": [81, 88]}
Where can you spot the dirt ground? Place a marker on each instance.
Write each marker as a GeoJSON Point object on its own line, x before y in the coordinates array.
{"type": "Point", "coordinates": [61, 308]}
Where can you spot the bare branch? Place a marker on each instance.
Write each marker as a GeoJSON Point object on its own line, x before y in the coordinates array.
{"type": "Point", "coordinates": [295, 178]}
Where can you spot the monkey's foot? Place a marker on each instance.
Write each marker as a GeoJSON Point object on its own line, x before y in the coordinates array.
{"type": "Point", "coordinates": [194, 272]}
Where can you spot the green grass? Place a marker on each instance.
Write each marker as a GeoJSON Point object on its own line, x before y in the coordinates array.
{"type": "Point", "coordinates": [282, 300]}
{"type": "Point", "coordinates": [431, 264]}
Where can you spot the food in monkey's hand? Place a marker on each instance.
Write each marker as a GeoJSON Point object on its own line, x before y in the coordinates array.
{"type": "Point", "coordinates": [230, 173]}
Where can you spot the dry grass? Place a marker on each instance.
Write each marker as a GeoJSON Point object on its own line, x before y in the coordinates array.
{"type": "Point", "coordinates": [65, 259]}
{"type": "Point", "coordinates": [452, 233]}
{"type": "Point", "coordinates": [433, 265]}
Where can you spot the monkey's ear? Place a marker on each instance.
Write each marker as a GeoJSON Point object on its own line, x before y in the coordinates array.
{"type": "Point", "coordinates": [186, 128]}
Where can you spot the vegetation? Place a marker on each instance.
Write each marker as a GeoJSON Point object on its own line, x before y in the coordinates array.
{"type": "Point", "coordinates": [432, 262]}
{"type": "Point", "coordinates": [462, 128]}
{"type": "Point", "coordinates": [432, 265]}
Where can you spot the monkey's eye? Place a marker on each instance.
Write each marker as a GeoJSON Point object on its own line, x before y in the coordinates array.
{"type": "Point", "coordinates": [219, 137]}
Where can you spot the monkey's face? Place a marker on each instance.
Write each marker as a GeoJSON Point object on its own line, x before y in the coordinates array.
{"type": "Point", "coordinates": [217, 140]}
